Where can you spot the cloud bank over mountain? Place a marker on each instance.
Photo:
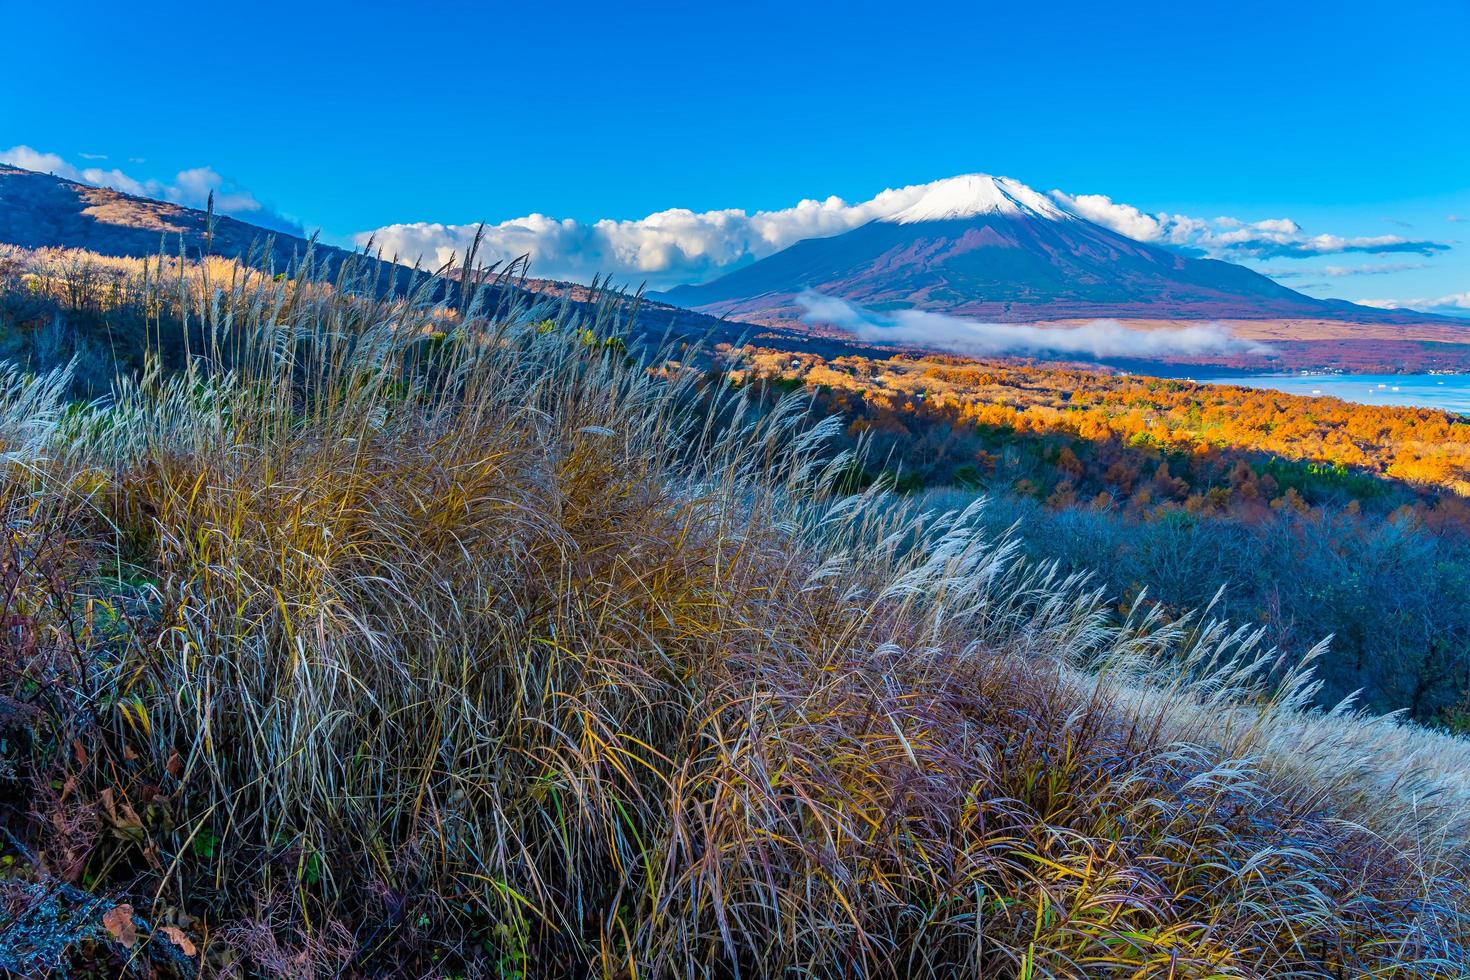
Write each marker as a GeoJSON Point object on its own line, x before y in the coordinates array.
{"type": "Point", "coordinates": [681, 246]}
{"type": "Point", "coordinates": [190, 188]}
{"type": "Point", "coordinates": [666, 248]}
{"type": "Point", "coordinates": [1100, 338]}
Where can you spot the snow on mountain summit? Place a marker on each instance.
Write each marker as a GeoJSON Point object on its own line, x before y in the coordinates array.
{"type": "Point", "coordinates": [971, 195]}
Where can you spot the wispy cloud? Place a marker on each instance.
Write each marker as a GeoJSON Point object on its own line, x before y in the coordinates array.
{"type": "Point", "coordinates": [190, 188]}
{"type": "Point", "coordinates": [1342, 271]}
{"type": "Point", "coordinates": [1100, 338]}
{"type": "Point", "coordinates": [1454, 301]}
{"type": "Point", "coordinates": [1232, 238]}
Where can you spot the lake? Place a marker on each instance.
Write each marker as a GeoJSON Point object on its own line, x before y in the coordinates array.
{"type": "Point", "coordinates": [1450, 392]}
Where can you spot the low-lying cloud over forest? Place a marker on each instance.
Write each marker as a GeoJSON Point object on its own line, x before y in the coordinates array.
{"type": "Point", "coordinates": [1100, 338]}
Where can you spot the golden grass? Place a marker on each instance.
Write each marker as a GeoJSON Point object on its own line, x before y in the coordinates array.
{"type": "Point", "coordinates": [356, 647]}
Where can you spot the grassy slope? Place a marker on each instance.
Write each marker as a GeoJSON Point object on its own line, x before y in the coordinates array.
{"type": "Point", "coordinates": [359, 647]}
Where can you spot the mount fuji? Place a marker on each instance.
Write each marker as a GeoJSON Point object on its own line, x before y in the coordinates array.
{"type": "Point", "coordinates": [993, 248]}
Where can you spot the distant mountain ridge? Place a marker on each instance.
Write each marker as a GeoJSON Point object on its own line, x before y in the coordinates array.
{"type": "Point", "coordinates": [992, 248]}
{"type": "Point", "coordinates": [44, 211]}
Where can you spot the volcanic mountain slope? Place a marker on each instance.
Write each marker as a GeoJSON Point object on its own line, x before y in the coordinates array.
{"type": "Point", "coordinates": [993, 248]}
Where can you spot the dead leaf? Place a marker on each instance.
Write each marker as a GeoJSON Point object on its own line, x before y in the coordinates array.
{"type": "Point", "coordinates": [119, 922]}
{"type": "Point", "coordinates": [176, 936]}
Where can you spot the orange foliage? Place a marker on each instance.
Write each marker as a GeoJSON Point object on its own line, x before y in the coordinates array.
{"type": "Point", "coordinates": [1118, 433]}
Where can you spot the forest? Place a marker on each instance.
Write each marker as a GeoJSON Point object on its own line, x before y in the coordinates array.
{"type": "Point", "coordinates": [1073, 433]}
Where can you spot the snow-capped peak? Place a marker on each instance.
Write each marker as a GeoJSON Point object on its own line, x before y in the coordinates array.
{"type": "Point", "coordinates": [970, 195]}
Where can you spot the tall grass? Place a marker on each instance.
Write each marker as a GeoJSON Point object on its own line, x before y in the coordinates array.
{"type": "Point", "coordinates": [386, 638]}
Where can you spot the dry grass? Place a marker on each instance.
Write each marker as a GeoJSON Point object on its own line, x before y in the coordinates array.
{"type": "Point", "coordinates": [358, 647]}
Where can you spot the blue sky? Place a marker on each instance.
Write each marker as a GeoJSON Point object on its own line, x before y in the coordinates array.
{"type": "Point", "coordinates": [1348, 119]}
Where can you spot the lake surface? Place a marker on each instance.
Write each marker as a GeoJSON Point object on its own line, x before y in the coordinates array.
{"type": "Point", "coordinates": [1450, 392]}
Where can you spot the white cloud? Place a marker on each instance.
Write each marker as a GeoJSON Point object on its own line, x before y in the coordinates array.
{"type": "Point", "coordinates": [663, 249]}
{"type": "Point", "coordinates": [1125, 219]}
{"type": "Point", "coordinates": [1342, 271]}
{"type": "Point", "coordinates": [191, 188]}
{"type": "Point", "coordinates": [1455, 301]}
{"type": "Point", "coordinates": [1230, 238]}
{"type": "Point", "coordinates": [1338, 271]}
{"type": "Point", "coordinates": [1100, 338]}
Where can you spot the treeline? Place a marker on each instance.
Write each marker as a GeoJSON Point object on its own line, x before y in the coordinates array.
{"type": "Point", "coordinates": [59, 306]}
{"type": "Point", "coordinates": [106, 313]}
